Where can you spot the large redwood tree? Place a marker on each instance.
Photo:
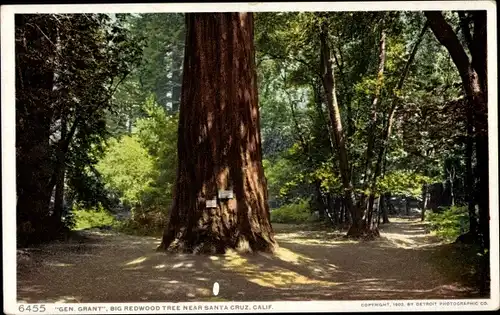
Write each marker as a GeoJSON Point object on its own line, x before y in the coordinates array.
{"type": "Point", "coordinates": [219, 144]}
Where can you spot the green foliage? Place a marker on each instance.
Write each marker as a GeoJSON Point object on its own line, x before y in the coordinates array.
{"type": "Point", "coordinates": [403, 182]}
{"type": "Point", "coordinates": [163, 53]}
{"type": "Point", "coordinates": [328, 177]}
{"type": "Point", "coordinates": [127, 168]}
{"type": "Point", "coordinates": [141, 168]}
{"type": "Point", "coordinates": [449, 223]}
{"type": "Point", "coordinates": [299, 212]}
{"type": "Point", "coordinates": [113, 54]}
{"type": "Point", "coordinates": [157, 133]}
{"type": "Point", "coordinates": [159, 74]}
{"type": "Point", "coordinates": [278, 172]}
{"type": "Point", "coordinates": [87, 218]}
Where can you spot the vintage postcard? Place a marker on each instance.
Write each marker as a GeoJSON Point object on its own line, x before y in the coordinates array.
{"type": "Point", "coordinates": [250, 157]}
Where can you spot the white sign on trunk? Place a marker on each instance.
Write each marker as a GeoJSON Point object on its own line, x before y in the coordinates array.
{"type": "Point", "coordinates": [211, 203]}
{"type": "Point", "coordinates": [225, 194]}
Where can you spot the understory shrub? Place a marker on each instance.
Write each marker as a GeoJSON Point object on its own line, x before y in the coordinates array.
{"type": "Point", "coordinates": [91, 218]}
{"type": "Point", "coordinates": [299, 212]}
{"type": "Point", "coordinates": [450, 222]}
{"type": "Point", "coordinates": [145, 223]}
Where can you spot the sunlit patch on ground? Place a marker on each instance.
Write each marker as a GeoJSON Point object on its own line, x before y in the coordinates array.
{"type": "Point", "coordinates": [329, 240]}
{"type": "Point", "coordinates": [289, 256]}
{"type": "Point", "coordinates": [68, 299]}
{"type": "Point", "coordinates": [134, 268]}
{"type": "Point", "coordinates": [58, 264]}
{"type": "Point", "coordinates": [407, 234]}
{"type": "Point", "coordinates": [136, 261]}
{"type": "Point", "coordinates": [199, 292]}
{"type": "Point", "coordinates": [275, 278]}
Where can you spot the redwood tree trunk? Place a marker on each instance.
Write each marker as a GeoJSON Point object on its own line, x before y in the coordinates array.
{"type": "Point", "coordinates": [219, 144]}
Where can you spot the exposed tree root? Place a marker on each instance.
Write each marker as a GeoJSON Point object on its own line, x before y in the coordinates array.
{"type": "Point", "coordinates": [363, 232]}
{"type": "Point", "coordinates": [207, 244]}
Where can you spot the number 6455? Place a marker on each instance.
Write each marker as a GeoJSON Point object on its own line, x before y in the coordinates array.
{"type": "Point", "coordinates": [32, 308]}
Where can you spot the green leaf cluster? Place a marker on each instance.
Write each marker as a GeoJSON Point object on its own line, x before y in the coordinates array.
{"type": "Point", "coordinates": [96, 217]}
{"type": "Point", "coordinates": [450, 222]}
{"type": "Point", "coordinates": [298, 212]}
{"type": "Point", "coordinates": [403, 182]}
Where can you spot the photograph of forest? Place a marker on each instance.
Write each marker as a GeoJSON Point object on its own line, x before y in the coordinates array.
{"type": "Point", "coordinates": [282, 155]}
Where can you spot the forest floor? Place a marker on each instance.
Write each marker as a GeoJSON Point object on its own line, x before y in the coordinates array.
{"type": "Point", "coordinates": [406, 262]}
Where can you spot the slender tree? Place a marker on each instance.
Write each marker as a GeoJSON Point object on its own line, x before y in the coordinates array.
{"type": "Point", "coordinates": [337, 130]}
{"type": "Point", "coordinates": [371, 136]}
{"type": "Point", "coordinates": [379, 166]}
{"type": "Point", "coordinates": [219, 143]}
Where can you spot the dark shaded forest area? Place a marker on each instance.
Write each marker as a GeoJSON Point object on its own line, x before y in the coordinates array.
{"type": "Point", "coordinates": [283, 134]}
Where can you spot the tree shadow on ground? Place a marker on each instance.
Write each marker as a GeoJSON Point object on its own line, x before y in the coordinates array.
{"type": "Point", "coordinates": [308, 266]}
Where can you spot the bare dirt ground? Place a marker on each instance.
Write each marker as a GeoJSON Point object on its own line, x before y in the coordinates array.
{"type": "Point", "coordinates": [405, 263]}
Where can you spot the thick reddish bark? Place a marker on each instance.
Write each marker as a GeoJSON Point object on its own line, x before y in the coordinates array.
{"type": "Point", "coordinates": [219, 145]}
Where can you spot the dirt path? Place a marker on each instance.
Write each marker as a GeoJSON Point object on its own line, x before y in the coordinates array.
{"type": "Point", "coordinates": [310, 265]}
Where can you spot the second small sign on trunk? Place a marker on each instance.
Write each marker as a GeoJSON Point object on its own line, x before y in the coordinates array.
{"type": "Point", "coordinates": [225, 194]}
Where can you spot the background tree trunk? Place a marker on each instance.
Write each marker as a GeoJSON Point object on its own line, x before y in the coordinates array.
{"type": "Point", "coordinates": [33, 155]}
{"type": "Point", "coordinates": [364, 200]}
{"type": "Point", "coordinates": [342, 218]}
{"type": "Point", "coordinates": [385, 208]}
{"type": "Point", "coordinates": [219, 144]}
{"type": "Point", "coordinates": [336, 122]}
{"type": "Point", "coordinates": [424, 202]}
{"type": "Point", "coordinates": [470, 187]}
{"type": "Point", "coordinates": [59, 196]}
{"type": "Point", "coordinates": [176, 76]}
{"type": "Point", "coordinates": [320, 202]}
{"type": "Point", "coordinates": [336, 213]}
{"type": "Point", "coordinates": [474, 80]}
{"type": "Point", "coordinates": [59, 182]}
{"type": "Point", "coordinates": [380, 164]}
